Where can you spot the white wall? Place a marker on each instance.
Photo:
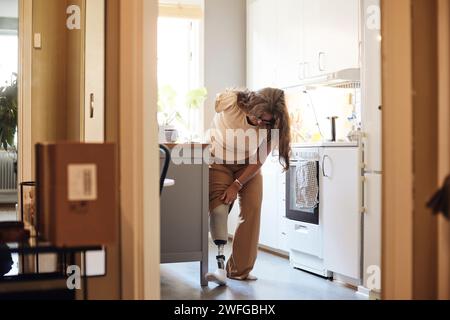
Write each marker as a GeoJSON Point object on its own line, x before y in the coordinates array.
{"type": "Point", "coordinates": [225, 29]}
{"type": "Point", "coordinates": [9, 8]}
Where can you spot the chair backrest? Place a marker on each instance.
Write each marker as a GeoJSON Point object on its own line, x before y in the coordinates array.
{"type": "Point", "coordinates": [165, 168]}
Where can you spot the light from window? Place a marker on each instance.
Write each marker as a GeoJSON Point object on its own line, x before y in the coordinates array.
{"type": "Point", "coordinates": [8, 58]}
{"type": "Point", "coordinates": [179, 75]}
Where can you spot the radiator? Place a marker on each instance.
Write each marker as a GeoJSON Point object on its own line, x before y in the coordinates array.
{"type": "Point", "coordinates": [8, 179]}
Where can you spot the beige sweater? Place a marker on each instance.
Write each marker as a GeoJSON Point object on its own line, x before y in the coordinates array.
{"type": "Point", "coordinates": [233, 138]}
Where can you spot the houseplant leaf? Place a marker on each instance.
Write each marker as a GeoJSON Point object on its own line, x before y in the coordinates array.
{"type": "Point", "coordinates": [8, 114]}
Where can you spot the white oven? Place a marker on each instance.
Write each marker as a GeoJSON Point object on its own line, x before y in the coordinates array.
{"type": "Point", "coordinates": [305, 229]}
{"type": "Point", "coordinates": [295, 211]}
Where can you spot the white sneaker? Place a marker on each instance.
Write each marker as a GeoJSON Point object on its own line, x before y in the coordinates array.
{"type": "Point", "coordinates": [251, 277]}
{"type": "Point", "coordinates": [219, 277]}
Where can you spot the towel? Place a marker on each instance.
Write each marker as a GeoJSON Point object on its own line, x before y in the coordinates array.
{"type": "Point", "coordinates": [307, 185]}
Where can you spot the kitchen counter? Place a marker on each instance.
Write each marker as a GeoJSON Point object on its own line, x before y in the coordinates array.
{"type": "Point", "coordinates": [327, 144]}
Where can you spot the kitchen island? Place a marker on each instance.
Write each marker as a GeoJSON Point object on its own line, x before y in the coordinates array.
{"type": "Point", "coordinates": [184, 208]}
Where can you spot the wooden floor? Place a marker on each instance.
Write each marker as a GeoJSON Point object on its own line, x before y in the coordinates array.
{"type": "Point", "coordinates": [277, 281]}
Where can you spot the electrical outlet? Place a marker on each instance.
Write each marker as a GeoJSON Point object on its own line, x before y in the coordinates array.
{"type": "Point", "coordinates": [37, 41]}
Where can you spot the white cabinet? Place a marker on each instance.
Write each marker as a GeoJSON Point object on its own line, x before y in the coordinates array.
{"type": "Point", "coordinates": [269, 210]}
{"type": "Point", "coordinates": [290, 40]}
{"type": "Point", "coordinates": [233, 218]}
{"type": "Point", "coordinates": [339, 46]}
{"type": "Point", "coordinates": [273, 230]}
{"type": "Point", "coordinates": [331, 36]}
{"type": "Point", "coordinates": [341, 210]}
{"type": "Point", "coordinates": [282, 220]}
{"type": "Point", "coordinates": [273, 205]}
{"type": "Point", "coordinates": [261, 38]}
{"type": "Point", "coordinates": [313, 42]}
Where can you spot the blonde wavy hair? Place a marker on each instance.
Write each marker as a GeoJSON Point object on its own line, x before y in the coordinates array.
{"type": "Point", "coordinates": [271, 101]}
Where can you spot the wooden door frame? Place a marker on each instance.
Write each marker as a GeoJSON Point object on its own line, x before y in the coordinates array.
{"type": "Point", "coordinates": [24, 90]}
{"type": "Point", "coordinates": [131, 94]}
{"type": "Point", "coordinates": [414, 120]}
{"type": "Point", "coordinates": [444, 142]}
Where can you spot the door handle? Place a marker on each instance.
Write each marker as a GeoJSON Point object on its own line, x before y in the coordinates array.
{"type": "Point", "coordinates": [322, 61]}
{"type": "Point", "coordinates": [92, 106]}
{"type": "Point", "coordinates": [323, 166]}
{"type": "Point", "coordinates": [301, 229]}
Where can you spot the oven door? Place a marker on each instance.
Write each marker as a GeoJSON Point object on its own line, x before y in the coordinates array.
{"type": "Point", "coordinates": [293, 211]}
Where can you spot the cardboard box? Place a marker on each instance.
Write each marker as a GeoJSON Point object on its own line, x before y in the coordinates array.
{"type": "Point", "coordinates": [76, 193]}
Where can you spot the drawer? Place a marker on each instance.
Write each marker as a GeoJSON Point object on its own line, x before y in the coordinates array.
{"type": "Point", "coordinates": [305, 238]}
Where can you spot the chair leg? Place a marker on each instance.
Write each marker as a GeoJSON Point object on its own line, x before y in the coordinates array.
{"type": "Point", "coordinates": [203, 272]}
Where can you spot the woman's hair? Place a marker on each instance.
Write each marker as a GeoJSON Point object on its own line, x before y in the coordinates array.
{"type": "Point", "coordinates": [271, 101]}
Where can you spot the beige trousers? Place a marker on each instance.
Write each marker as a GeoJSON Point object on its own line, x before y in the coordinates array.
{"type": "Point", "coordinates": [246, 237]}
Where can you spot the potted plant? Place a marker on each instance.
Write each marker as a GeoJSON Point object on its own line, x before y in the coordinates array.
{"type": "Point", "coordinates": [167, 114]}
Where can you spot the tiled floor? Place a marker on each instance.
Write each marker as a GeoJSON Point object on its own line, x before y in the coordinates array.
{"type": "Point", "coordinates": [277, 281]}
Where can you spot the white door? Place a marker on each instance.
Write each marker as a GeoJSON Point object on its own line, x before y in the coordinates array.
{"type": "Point", "coordinates": [94, 130]}
{"type": "Point", "coordinates": [261, 41]}
{"type": "Point", "coordinates": [312, 37]}
{"type": "Point", "coordinates": [282, 220]}
{"type": "Point", "coordinates": [233, 219]}
{"type": "Point", "coordinates": [371, 92]}
{"type": "Point", "coordinates": [289, 68]}
{"type": "Point", "coordinates": [272, 196]}
{"type": "Point", "coordinates": [372, 224]}
{"type": "Point", "coordinates": [340, 207]}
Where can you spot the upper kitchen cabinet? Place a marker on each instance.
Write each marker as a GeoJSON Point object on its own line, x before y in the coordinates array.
{"type": "Point", "coordinates": [339, 44]}
{"type": "Point", "coordinates": [331, 36]}
{"type": "Point", "coordinates": [293, 40]}
{"type": "Point", "coordinates": [289, 42]}
{"type": "Point", "coordinates": [261, 38]}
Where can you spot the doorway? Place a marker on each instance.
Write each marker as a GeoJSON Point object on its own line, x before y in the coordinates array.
{"type": "Point", "coordinates": [9, 55]}
{"type": "Point", "coordinates": [322, 79]}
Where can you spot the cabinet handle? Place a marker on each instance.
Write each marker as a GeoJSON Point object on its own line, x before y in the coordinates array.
{"type": "Point", "coordinates": [323, 166]}
{"type": "Point", "coordinates": [322, 61]}
{"type": "Point", "coordinates": [301, 71]}
{"type": "Point", "coordinates": [92, 106]}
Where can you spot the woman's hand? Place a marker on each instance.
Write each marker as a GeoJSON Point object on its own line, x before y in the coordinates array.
{"type": "Point", "coordinates": [231, 194]}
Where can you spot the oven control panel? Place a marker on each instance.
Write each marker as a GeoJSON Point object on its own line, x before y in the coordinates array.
{"type": "Point", "coordinates": [305, 154]}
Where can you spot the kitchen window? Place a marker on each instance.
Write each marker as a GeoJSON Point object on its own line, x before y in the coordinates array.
{"type": "Point", "coordinates": [181, 95]}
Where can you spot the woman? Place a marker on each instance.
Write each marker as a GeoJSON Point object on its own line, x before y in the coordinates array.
{"type": "Point", "coordinates": [246, 128]}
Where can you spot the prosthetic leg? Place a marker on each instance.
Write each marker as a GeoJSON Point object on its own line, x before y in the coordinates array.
{"type": "Point", "coordinates": [219, 233]}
